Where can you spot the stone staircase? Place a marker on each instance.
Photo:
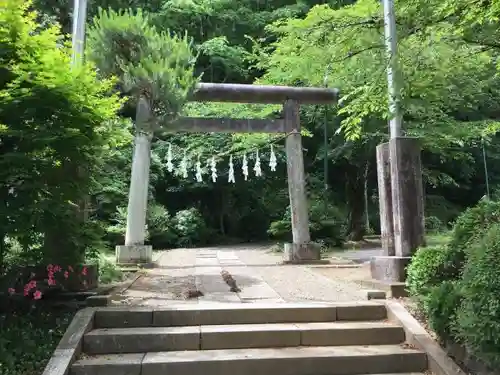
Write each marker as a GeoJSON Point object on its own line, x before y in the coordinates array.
{"type": "Point", "coordinates": [248, 339]}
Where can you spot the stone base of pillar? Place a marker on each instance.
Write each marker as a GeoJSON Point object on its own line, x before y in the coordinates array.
{"type": "Point", "coordinates": [303, 253]}
{"type": "Point", "coordinates": [134, 254]}
{"type": "Point", "coordinates": [389, 268]}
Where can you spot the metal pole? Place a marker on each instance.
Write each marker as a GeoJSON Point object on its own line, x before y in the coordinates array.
{"type": "Point", "coordinates": [393, 79]}
{"type": "Point", "coordinates": [78, 40]}
{"type": "Point", "coordinates": [325, 145]}
{"type": "Point", "coordinates": [325, 133]}
{"type": "Point", "coordinates": [486, 176]}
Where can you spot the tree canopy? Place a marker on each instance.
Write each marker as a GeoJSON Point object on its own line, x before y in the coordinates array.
{"type": "Point", "coordinates": [450, 101]}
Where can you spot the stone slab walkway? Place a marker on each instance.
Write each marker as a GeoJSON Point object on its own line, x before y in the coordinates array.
{"type": "Point", "coordinates": [260, 277]}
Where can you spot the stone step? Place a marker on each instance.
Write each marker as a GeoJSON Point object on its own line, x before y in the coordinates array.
{"type": "Point", "coordinates": [254, 313]}
{"type": "Point", "coordinates": [326, 360]}
{"type": "Point", "coordinates": [206, 337]}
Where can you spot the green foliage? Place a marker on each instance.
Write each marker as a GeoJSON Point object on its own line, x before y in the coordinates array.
{"type": "Point", "coordinates": [325, 224]}
{"type": "Point", "coordinates": [439, 207]}
{"type": "Point", "coordinates": [108, 272]}
{"type": "Point", "coordinates": [425, 272]}
{"type": "Point", "coordinates": [456, 286]}
{"type": "Point", "coordinates": [190, 227]}
{"type": "Point", "coordinates": [28, 339]}
{"type": "Point", "coordinates": [478, 319]}
{"type": "Point", "coordinates": [472, 224]}
{"type": "Point", "coordinates": [469, 227]}
{"type": "Point", "coordinates": [158, 65]}
{"type": "Point", "coordinates": [116, 231]}
{"type": "Point", "coordinates": [161, 227]}
{"type": "Point", "coordinates": [55, 125]}
{"type": "Point", "coordinates": [442, 303]}
{"type": "Point", "coordinates": [433, 224]}
{"type": "Point", "coordinates": [186, 228]}
{"type": "Point", "coordinates": [434, 67]}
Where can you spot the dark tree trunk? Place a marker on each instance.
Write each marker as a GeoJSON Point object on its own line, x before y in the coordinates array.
{"type": "Point", "coordinates": [3, 253]}
{"type": "Point", "coordinates": [355, 192]}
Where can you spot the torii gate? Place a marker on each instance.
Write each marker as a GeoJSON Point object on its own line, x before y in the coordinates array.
{"type": "Point", "coordinates": [134, 251]}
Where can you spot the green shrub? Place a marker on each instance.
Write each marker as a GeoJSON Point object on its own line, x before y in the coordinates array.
{"type": "Point", "coordinates": [442, 303]}
{"type": "Point", "coordinates": [116, 231]}
{"type": "Point", "coordinates": [473, 222]}
{"type": "Point", "coordinates": [161, 227]}
{"type": "Point", "coordinates": [478, 318]}
{"type": "Point", "coordinates": [425, 272]}
{"type": "Point", "coordinates": [325, 224]}
{"type": "Point", "coordinates": [433, 224]}
{"type": "Point", "coordinates": [469, 226]}
{"type": "Point", "coordinates": [281, 229]}
{"type": "Point", "coordinates": [108, 272]}
{"type": "Point", "coordinates": [190, 227]}
{"type": "Point", "coordinates": [29, 339]}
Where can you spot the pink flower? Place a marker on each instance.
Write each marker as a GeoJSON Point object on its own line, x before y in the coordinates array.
{"type": "Point", "coordinates": [50, 268]}
{"type": "Point", "coordinates": [66, 274]}
{"type": "Point", "coordinates": [32, 284]}
{"type": "Point", "coordinates": [51, 281]}
{"type": "Point", "coordinates": [11, 290]}
{"type": "Point", "coordinates": [57, 268]}
{"type": "Point", "coordinates": [84, 271]}
{"type": "Point", "coordinates": [37, 295]}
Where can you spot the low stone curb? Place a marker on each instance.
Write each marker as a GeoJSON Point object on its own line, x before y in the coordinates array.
{"type": "Point", "coordinates": [102, 300]}
{"type": "Point", "coordinates": [71, 345]}
{"type": "Point", "coordinates": [394, 289]}
{"type": "Point", "coordinates": [439, 362]}
{"type": "Point", "coordinates": [375, 294]}
{"type": "Point", "coordinates": [336, 266]}
{"type": "Point", "coordinates": [305, 262]}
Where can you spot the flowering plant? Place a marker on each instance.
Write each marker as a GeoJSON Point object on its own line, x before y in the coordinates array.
{"type": "Point", "coordinates": [37, 285]}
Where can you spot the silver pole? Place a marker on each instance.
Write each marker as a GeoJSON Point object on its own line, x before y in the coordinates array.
{"type": "Point", "coordinates": [78, 40]}
{"type": "Point", "coordinates": [393, 79]}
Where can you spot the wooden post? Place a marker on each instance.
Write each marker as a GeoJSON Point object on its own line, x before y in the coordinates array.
{"type": "Point", "coordinates": [407, 195]}
{"type": "Point", "coordinates": [301, 249]}
{"type": "Point", "coordinates": [401, 198]}
{"type": "Point", "coordinates": [385, 199]}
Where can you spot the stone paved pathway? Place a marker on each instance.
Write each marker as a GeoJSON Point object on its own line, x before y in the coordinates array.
{"type": "Point", "coordinates": [256, 270]}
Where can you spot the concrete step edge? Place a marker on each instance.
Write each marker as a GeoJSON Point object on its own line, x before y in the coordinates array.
{"type": "Point", "coordinates": [239, 314]}
{"type": "Point", "coordinates": [223, 328]}
{"type": "Point", "coordinates": [157, 339]}
{"type": "Point", "coordinates": [296, 361]}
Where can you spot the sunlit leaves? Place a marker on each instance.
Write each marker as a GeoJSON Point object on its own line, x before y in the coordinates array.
{"type": "Point", "coordinates": [446, 82]}
{"type": "Point", "coordinates": [57, 123]}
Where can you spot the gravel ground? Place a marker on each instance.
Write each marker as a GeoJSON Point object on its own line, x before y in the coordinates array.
{"type": "Point", "coordinates": [345, 274]}
{"type": "Point", "coordinates": [256, 270]}
{"type": "Point", "coordinates": [299, 282]}
{"type": "Point", "coordinates": [168, 283]}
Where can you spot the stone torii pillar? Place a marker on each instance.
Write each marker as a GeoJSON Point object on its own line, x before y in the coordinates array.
{"type": "Point", "coordinates": [301, 249]}
{"type": "Point", "coordinates": [135, 251]}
